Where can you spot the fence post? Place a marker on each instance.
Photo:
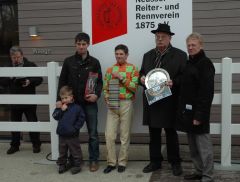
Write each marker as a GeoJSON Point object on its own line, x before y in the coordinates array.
{"type": "Point", "coordinates": [52, 91]}
{"type": "Point", "coordinates": [226, 113]}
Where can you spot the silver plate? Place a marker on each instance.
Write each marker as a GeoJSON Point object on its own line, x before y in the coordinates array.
{"type": "Point", "coordinates": [156, 77]}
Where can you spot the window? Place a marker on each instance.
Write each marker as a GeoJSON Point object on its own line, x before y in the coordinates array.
{"type": "Point", "coordinates": [8, 27]}
{"type": "Point", "coordinates": [8, 37]}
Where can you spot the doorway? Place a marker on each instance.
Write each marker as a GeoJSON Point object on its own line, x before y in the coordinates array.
{"type": "Point", "coordinates": [8, 28]}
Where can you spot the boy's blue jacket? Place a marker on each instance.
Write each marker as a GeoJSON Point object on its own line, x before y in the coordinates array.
{"type": "Point", "coordinates": [69, 121]}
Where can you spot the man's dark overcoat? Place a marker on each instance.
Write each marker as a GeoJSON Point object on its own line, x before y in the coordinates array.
{"type": "Point", "coordinates": [162, 114]}
{"type": "Point", "coordinates": [196, 94]}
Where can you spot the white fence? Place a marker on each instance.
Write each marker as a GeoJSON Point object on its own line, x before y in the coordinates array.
{"type": "Point", "coordinates": [52, 71]}
{"type": "Point", "coordinates": [226, 99]}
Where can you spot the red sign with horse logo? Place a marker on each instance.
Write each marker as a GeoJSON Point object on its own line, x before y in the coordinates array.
{"type": "Point", "coordinates": [109, 19]}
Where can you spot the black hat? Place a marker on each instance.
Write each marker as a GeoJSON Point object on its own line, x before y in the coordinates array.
{"type": "Point", "coordinates": [163, 28]}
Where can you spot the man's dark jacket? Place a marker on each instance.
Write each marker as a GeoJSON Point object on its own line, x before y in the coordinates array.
{"type": "Point", "coordinates": [196, 95]}
{"type": "Point", "coordinates": [14, 85]}
{"type": "Point", "coordinates": [75, 72]}
{"type": "Point", "coordinates": [162, 114]}
{"type": "Point", "coordinates": [69, 121]}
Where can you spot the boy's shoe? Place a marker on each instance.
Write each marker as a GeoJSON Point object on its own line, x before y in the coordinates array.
{"type": "Point", "coordinates": [12, 150]}
{"type": "Point", "coordinates": [62, 169]}
{"type": "Point", "coordinates": [75, 170]}
{"type": "Point", "coordinates": [69, 165]}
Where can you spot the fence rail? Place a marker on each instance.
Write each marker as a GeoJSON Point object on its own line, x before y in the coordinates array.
{"type": "Point", "coordinates": [51, 72]}
{"type": "Point", "coordinates": [226, 99]}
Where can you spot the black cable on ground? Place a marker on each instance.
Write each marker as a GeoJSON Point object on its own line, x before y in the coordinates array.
{"type": "Point", "coordinates": [47, 157]}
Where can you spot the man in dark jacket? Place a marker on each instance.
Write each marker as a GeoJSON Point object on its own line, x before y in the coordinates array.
{"type": "Point", "coordinates": [22, 85]}
{"type": "Point", "coordinates": [196, 95]}
{"type": "Point", "coordinates": [83, 73]}
{"type": "Point", "coordinates": [162, 114]}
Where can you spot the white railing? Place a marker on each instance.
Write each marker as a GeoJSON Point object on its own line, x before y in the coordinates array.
{"type": "Point", "coordinates": [52, 72]}
{"type": "Point", "coordinates": [226, 99]}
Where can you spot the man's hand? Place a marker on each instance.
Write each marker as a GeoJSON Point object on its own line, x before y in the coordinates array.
{"type": "Point", "coordinates": [196, 122]}
{"type": "Point", "coordinates": [106, 100]}
{"type": "Point", "coordinates": [142, 79]}
{"type": "Point", "coordinates": [117, 75]}
{"type": "Point", "coordinates": [91, 97]}
{"type": "Point", "coordinates": [169, 83]}
{"type": "Point", "coordinates": [26, 83]}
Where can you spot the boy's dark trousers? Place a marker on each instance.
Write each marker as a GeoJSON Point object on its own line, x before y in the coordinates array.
{"type": "Point", "coordinates": [71, 144]}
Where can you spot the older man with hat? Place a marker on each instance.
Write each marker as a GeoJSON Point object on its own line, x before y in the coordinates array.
{"type": "Point", "coordinates": [162, 114]}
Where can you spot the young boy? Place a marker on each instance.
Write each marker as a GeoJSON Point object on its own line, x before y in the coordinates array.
{"type": "Point", "coordinates": [70, 118]}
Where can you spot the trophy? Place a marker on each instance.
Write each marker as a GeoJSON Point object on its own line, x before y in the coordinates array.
{"type": "Point", "coordinates": [156, 85]}
{"type": "Point", "coordinates": [91, 83]}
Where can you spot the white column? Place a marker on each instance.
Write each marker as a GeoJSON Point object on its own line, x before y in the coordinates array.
{"type": "Point", "coordinates": [52, 91]}
{"type": "Point", "coordinates": [226, 114]}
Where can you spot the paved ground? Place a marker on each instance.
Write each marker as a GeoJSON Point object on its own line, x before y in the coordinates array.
{"type": "Point", "coordinates": [26, 166]}
{"type": "Point", "coordinates": [220, 175]}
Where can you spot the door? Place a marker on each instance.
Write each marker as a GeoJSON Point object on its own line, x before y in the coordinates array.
{"type": "Point", "coordinates": [8, 38]}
